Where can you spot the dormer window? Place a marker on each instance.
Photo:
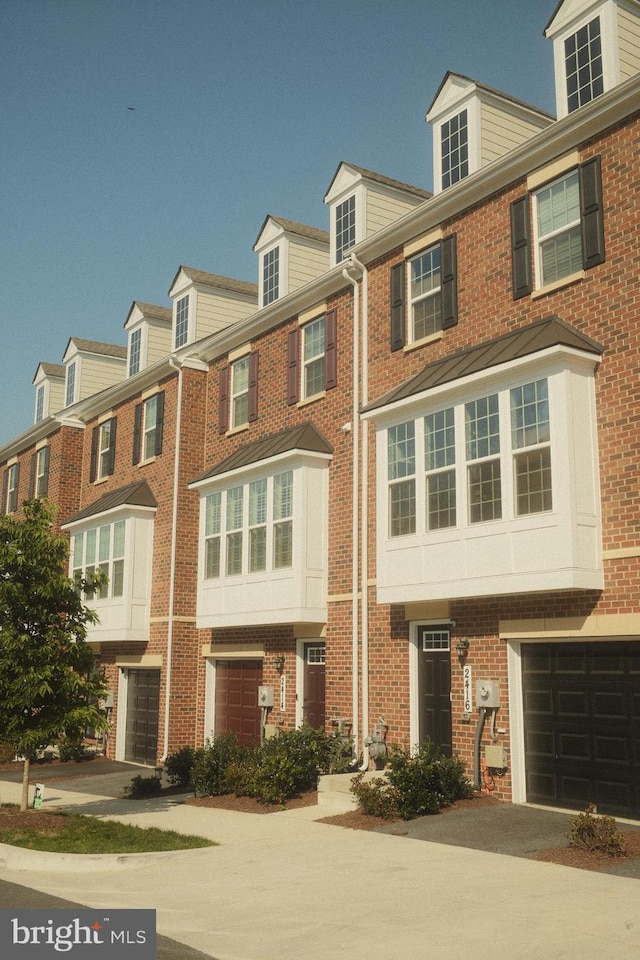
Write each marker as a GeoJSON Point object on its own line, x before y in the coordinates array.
{"type": "Point", "coordinates": [583, 64]}
{"type": "Point", "coordinates": [182, 321]}
{"type": "Point", "coordinates": [345, 227]}
{"type": "Point", "coordinates": [39, 403]}
{"type": "Point", "coordinates": [71, 385]}
{"type": "Point", "coordinates": [135, 351]}
{"type": "Point", "coordinates": [454, 145]}
{"type": "Point", "coordinates": [270, 276]}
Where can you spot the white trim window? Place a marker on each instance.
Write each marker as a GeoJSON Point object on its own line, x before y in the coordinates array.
{"type": "Point", "coordinates": [70, 391]}
{"type": "Point", "coordinates": [424, 293]}
{"type": "Point", "coordinates": [41, 478]}
{"type": "Point", "coordinates": [401, 469]}
{"type": "Point", "coordinates": [240, 392]}
{"type": "Point", "coordinates": [105, 447]}
{"type": "Point", "coordinates": [531, 443]}
{"type": "Point", "coordinates": [248, 528]}
{"type": "Point", "coordinates": [440, 461]}
{"type": "Point", "coordinates": [584, 72]}
{"type": "Point", "coordinates": [270, 276]}
{"type": "Point", "coordinates": [313, 357]}
{"type": "Point", "coordinates": [454, 149]}
{"type": "Point", "coordinates": [482, 450]}
{"type": "Point", "coordinates": [182, 322]}
{"type": "Point", "coordinates": [39, 404]}
{"type": "Point", "coordinates": [557, 225]}
{"type": "Point", "coordinates": [345, 221]}
{"type": "Point", "coordinates": [135, 351]}
{"type": "Point", "coordinates": [101, 548]}
{"type": "Point", "coordinates": [11, 494]}
{"type": "Point", "coordinates": [150, 427]}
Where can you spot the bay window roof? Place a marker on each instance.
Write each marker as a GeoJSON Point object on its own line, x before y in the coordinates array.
{"type": "Point", "coordinates": [136, 494]}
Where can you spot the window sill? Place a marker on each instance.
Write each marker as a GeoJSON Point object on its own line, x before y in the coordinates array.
{"type": "Point", "coordinates": [144, 463]}
{"type": "Point", "coordinates": [416, 344]}
{"type": "Point", "coordinates": [313, 399]}
{"type": "Point", "coordinates": [564, 282]}
{"type": "Point", "coordinates": [241, 429]}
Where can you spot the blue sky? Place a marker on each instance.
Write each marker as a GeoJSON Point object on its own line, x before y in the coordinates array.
{"type": "Point", "coordinates": [242, 108]}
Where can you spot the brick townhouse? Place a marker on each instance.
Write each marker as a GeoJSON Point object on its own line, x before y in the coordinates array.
{"type": "Point", "coordinates": [392, 489]}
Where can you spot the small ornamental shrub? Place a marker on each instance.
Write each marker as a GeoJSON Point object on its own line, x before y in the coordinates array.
{"type": "Point", "coordinates": [376, 798]}
{"type": "Point", "coordinates": [209, 769]}
{"type": "Point", "coordinates": [142, 787]}
{"type": "Point", "coordinates": [594, 833]}
{"type": "Point", "coordinates": [288, 764]}
{"type": "Point", "coordinates": [71, 748]}
{"type": "Point", "coordinates": [179, 766]}
{"type": "Point", "coordinates": [7, 751]}
{"type": "Point", "coordinates": [240, 773]}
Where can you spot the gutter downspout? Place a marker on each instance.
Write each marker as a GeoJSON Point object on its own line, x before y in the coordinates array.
{"type": "Point", "coordinates": [355, 529]}
{"type": "Point", "coordinates": [177, 365]}
{"type": "Point", "coordinates": [364, 513]}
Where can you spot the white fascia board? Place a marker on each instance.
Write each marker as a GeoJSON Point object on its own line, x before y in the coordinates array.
{"type": "Point", "coordinates": [292, 458]}
{"type": "Point", "coordinates": [123, 511]}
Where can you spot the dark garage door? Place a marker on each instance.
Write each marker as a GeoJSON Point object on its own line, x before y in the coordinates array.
{"type": "Point", "coordinates": [141, 739]}
{"type": "Point", "coordinates": [237, 707]}
{"type": "Point", "coordinates": [582, 725]}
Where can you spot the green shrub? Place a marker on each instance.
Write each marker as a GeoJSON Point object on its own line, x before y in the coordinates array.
{"type": "Point", "coordinates": [376, 798]}
{"type": "Point", "coordinates": [288, 764]}
{"type": "Point", "coordinates": [142, 787]}
{"type": "Point", "coordinates": [71, 748]}
{"type": "Point", "coordinates": [240, 774]}
{"type": "Point", "coordinates": [179, 766]}
{"type": "Point", "coordinates": [594, 833]}
{"type": "Point", "coordinates": [210, 765]}
{"type": "Point", "coordinates": [7, 751]}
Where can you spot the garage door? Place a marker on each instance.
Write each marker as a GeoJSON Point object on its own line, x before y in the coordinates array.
{"type": "Point", "coordinates": [141, 738]}
{"type": "Point", "coordinates": [582, 725]}
{"type": "Point", "coordinates": [237, 707]}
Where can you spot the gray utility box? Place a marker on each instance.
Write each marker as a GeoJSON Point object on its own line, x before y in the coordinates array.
{"type": "Point", "coordinates": [265, 696]}
{"type": "Point", "coordinates": [488, 693]}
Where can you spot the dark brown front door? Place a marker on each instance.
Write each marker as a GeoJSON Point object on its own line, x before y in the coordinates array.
{"type": "Point", "coordinates": [237, 709]}
{"type": "Point", "coordinates": [582, 725]}
{"type": "Point", "coordinates": [313, 711]}
{"type": "Point", "coordinates": [141, 738]}
{"type": "Point", "coordinates": [434, 685]}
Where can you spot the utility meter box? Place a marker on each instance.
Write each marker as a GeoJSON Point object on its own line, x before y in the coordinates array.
{"type": "Point", "coordinates": [487, 693]}
{"type": "Point", "coordinates": [495, 756]}
{"type": "Point", "coordinates": [265, 696]}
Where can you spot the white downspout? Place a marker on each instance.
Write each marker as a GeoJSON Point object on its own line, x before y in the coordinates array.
{"type": "Point", "coordinates": [364, 511]}
{"type": "Point", "coordinates": [177, 365]}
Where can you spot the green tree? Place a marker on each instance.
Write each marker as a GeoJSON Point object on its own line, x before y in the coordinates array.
{"type": "Point", "coordinates": [48, 683]}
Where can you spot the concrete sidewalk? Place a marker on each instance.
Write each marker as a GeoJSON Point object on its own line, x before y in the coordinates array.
{"type": "Point", "coordinates": [283, 887]}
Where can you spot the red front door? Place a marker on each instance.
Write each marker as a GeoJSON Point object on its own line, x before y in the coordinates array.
{"type": "Point", "coordinates": [237, 707]}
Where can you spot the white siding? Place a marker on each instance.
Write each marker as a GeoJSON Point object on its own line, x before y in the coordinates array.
{"type": "Point", "coordinates": [629, 38]}
{"type": "Point", "coordinates": [56, 397]}
{"type": "Point", "coordinates": [158, 342]}
{"type": "Point", "coordinates": [501, 130]}
{"type": "Point", "coordinates": [383, 209]}
{"type": "Point", "coordinates": [98, 373]}
{"type": "Point", "coordinates": [215, 311]}
{"type": "Point", "coordinates": [305, 264]}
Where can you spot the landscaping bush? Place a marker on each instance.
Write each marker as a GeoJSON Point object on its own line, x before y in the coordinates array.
{"type": "Point", "coordinates": [596, 833]}
{"type": "Point", "coordinates": [142, 787]}
{"type": "Point", "coordinates": [415, 785]}
{"type": "Point", "coordinates": [288, 764]}
{"type": "Point", "coordinates": [71, 748]}
{"type": "Point", "coordinates": [210, 765]}
{"type": "Point", "coordinates": [179, 766]}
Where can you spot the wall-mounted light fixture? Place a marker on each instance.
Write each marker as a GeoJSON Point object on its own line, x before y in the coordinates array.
{"type": "Point", "coordinates": [462, 648]}
{"type": "Point", "coordinates": [279, 663]}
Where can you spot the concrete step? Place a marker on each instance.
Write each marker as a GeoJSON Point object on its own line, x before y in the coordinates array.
{"type": "Point", "coordinates": [334, 793]}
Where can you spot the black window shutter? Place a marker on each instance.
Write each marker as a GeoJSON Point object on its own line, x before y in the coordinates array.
{"type": "Point", "coordinates": [93, 468]}
{"type": "Point", "coordinates": [330, 351]}
{"type": "Point", "coordinates": [137, 433]}
{"type": "Point", "coordinates": [521, 278]}
{"type": "Point", "coordinates": [112, 447]}
{"type": "Point", "coordinates": [449, 281]}
{"type": "Point", "coordinates": [592, 219]}
{"type": "Point", "coordinates": [253, 386]}
{"type": "Point", "coordinates": [223, 401]}
{"type": "Point", "coordinates": [32, 476]}
{"type": "Point", "coordinates": [397, 306]}
{"type": "Point", "coordinates": [292, 367]}
{"type": "Point", "coordinates": [44, 488]}
{"type": "Point", "coordinates": [159, 423]}
{"type": "Point", "coordinates": [5, 487]}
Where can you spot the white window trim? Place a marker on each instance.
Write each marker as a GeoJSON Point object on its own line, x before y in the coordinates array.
{"type": "Point", "coordinates": [360, 193]}
{"type": "Point", "coordinates": [233, 394]}
{"type": "Point", "coordinates": [411, 340]}
{"type": "Point", "coordinates": [75, 366]}
{"type": "Point", "coordinates": [537, 240]}
{"type": "Point", "coordinates": [304, 396]}
{"type": "Point", "coordinates": [610, 45]}
{"type": "Point", "coordinates": [142, 330]}
{"type": "Point", "coordinates": [282, 246]}
{"type": "Point", "coordinates": [190, 319]}
{"type": "Point", "coordinates": [473, 108]}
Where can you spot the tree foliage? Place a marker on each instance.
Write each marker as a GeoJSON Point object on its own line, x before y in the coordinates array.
{"type": "Point", "coordinates": [48, 684]}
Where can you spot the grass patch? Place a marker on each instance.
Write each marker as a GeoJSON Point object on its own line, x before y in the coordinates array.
{"type": "Point", "coordinates": [81, 834]}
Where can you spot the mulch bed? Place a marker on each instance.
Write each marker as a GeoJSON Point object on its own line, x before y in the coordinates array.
{"type": "Point", "coordinates": [229, 801]}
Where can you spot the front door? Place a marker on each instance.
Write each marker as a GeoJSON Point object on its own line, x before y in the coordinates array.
{"type": "Point", "coordinates": [313, 711]}
{"type": "Point", "coordinates": [237, 708]}
{"type": "Point", "coordinates": [434, 686]}
{"type": "Point", "coordinates": [141, 736]}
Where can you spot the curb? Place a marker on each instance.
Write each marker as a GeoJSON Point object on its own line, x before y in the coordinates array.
{"type": "Point", "coordinates": [20, 858]}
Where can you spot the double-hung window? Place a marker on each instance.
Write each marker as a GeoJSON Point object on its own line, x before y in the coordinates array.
{"type": "Point", "coordinates": [39, 403]}
{"type": "Point", "coordinates": [583, 65]}
{"type": "Point", "coordinates": [39, 476]}
{"type": "Point", "coordinates": [312, 358]}
{"type": "Point", "coordinates": [558, 230]}
{"type": "Point", "coordinates": [135, 351]}
{"type": "Point", "coordinates": [182, 321]}
{"type": "Point", "coordinates": [313, 352]}
{"type": "Point", "coordinates": [148, 428]}
{"type": "Point", "coordinates": [482, 448]}
{"type": "Point", "coordinates": [249, 528]}
{"type": "Point", "coordinates": [345, 221]}
{"type": "Point", "coordinates": [454, 149]}
{"type": "Point", "coordinates": [240, 392]}
{"type": "Point", "coordinates": [10, 488]}
{"type": "Point", "coordinates": [440, 460]}
{"type": "Point", "coordinates": [238, 397]}
{"type": "Point", "coordinates": [424, 288]}
{"type": "Point", "coordinates": [70, 391]}
{"type": "Point", "coordinates": [530, 442]}
{"type": "Point", "coordinates": [101, 549]}
{"type": "Point", "coordinates": [103, 450]}
{"type": "Point", "coordinates": [401, 469]}
{"type": "Point", "coordinates": [270, 276]}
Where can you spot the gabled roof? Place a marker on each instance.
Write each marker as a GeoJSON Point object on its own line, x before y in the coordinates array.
{"type": "Point", "coordinates": [379, 178]}
{"type": "Point", "coordinates": [243, 287]}
{"type": "Point", "coordinates": [299, 229]}
{"type": "Point", "coordinates": [94, 346]}
{"type": "Point", "coordinates": [303, 437]}
{"type": "Point", "coordinates": [53, 370]}
{"type": "Point", "coordinates": [492, 91]}
{"type": "Point", "coordinates": [549, 332]}
{"type": "Point", "coordinates": [136, 494]}
{"type": "Point", "coordinates": [151, 311]}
